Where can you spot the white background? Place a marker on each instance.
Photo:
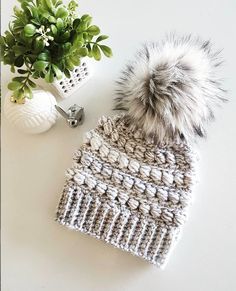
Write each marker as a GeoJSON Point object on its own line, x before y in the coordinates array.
{"type": "Point", "coordinates": [38, 254]}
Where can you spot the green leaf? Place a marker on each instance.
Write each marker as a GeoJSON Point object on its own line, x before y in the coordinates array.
{"type": "Point", "coordinates": [106, 50]}
{"type": "Point", "coordinates": [82, 27]}
{"type": "Point", "coordinates": [19, 79]}
{"type": "Point", "coordinates": [14, 85]}
{"type": "Point", "coordinates": [39, 44]}
{"type": "Point", "coordinates": [52, 19]}
{"type": "Point", "coordinates": [76, 23]}
{"type": "Point", "coordinates": [61, 12]}
{"type": "Point", "coordinates": [88, 46]}
{"type": "Point", "coordinates": [72, 5]}
{"type": "Point", "coordinates": [40, 65]}
{"type": "Point", "coordinates": [17, 11]}
{"type": "Point", "coordinates": [78, 40]}
{"type": "Point", "coordinates": [9, 38]}
{"type": "Point", "coordinates": [34, 21]}
{"type": "Point", "coordinates": [102, 37]}
{"type": "Point", "coordinates": [45, 56]}
{"type": "Point", "coordinates": [2, 40]}
{"type": "Point", "coordinates": [36, 75]}
{"type": "Point", "coordinates": [83, 51]}
{"type": "Point", "coordinates": [34, 11]}
{"type": "Point", "coordinates": [19, 96]}
{"type": "Point", "coordinates": [49, 3]}
{"type": "Point", "coordinates": [58, 2]}
{"type": "Point", "coordinates": [27, 92]}
{"type": "Point", "coordinates": [20, 71]}
{"type": "Point", "coordinates": [87, 19]}
{"type": "Point", "coordinates": [19, 62]}
{"type": "Point", "coordinates": [13, 69]}
{"type": "Point", "coordinates": [65, 36]}
{"type": "Point", "coordinates": [57, 72]}
{"type": "Point", "coordinates": [19, 50]}
{"type": "Point", "coordinates": [29, 30]}
{"type": "Point", "coordinates": [53, 29]}
{"type": "Point", "coordinates": [66, 47]}
{"type": "Point", "coordinates": [90, 53]}
{"type": "Point", "coordinates": [67, 73]}
{"type": "Point", "coordinates": [93, 30]}
{"type": "Point", "coordinates": [49, 77]}
{"type": "Point", "coordinates": [32, 84]}
{"type": "Point", "coordinates": [96, 52]}
{"type": "Point", "coordinates": [18, 30]}
{"type": "Point", "coordinates": [45, 14]}
{"type": "Point", "coordinates": [75, 60]}
{"type": "Point", "coordinates": [69, 64]}
{"type": "Point", "coordinates": [60, 24]}
{"type": "Point", "coordinates": [89, 37]}
{"type": "Point", "coordinates": [32, 58]}
{"type": "Point", "coordinates": [24, 5]}
{"type": "Point", "coordinates": [9, 58]}
{"type": "Point", "coordinates": [85, 35]}
{"type": "Point", "coordinates": [29, 9]}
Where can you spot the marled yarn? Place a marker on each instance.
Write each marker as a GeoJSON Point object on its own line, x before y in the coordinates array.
{"type": "Point", "coordinates": [128, 191]}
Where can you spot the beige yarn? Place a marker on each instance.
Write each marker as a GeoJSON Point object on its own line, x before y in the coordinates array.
{"type": "Point", "coordinates": [128, 191]}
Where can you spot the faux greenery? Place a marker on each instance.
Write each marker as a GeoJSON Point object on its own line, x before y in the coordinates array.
{"type": "Point", "coordinates": [46, 39]}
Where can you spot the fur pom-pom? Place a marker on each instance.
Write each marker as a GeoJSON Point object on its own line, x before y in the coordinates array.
{"type": "Point", "coordinates": [170, 90]}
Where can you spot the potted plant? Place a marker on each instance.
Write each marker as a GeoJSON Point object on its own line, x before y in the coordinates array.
{"type": "Point", "coordinates": [47, 39]}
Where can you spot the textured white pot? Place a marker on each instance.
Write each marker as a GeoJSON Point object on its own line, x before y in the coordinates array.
{"type": "Point", "coordinates": [79, 76]}
{"type": "Point", "coordinates": [36, 115]}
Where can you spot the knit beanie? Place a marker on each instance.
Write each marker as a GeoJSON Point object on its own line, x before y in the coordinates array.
{"type": "Point", "coordinates": [131, 181]}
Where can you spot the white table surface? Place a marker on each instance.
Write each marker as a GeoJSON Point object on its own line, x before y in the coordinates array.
{"type": "Point", "coordinates": [38, 254]}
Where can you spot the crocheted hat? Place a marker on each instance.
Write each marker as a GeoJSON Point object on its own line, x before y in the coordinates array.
{"type": "Point", "coordinates": [131, 181]}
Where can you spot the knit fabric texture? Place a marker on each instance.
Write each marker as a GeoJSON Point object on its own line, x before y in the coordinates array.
{"type": "Point", "coordinates": [128, 191]}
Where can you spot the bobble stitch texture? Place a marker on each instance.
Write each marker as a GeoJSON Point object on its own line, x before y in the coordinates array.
{"type": "Point", "coordinates": [127, 190]}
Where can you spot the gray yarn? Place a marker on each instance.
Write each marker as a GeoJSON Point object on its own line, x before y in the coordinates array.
{"type": "Point", "coordinates": [128, 191]}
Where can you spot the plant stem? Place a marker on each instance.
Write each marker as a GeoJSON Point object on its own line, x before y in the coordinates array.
{"type": "Point", "coordinates": [27, 77]}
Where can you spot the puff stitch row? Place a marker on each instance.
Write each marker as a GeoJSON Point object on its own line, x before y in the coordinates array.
{"type": "Point", "coordinates": [128, 182]}
{"type": "Point", "coordinates": [115, 130]}
{"type": "Point", "coordinates": [122, 161]}
{"type": "Point", "coordinates": [168, 215]}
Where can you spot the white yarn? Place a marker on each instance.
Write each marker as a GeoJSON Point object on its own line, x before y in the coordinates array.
{"type": "Point", "coordinates": [125, 191]}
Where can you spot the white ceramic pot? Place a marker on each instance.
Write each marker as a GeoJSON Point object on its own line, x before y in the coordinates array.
{"type": "Point", "coordinates": [79, 76]}
{"type": "Point", "coordinates": [36, 115]}
{"type": "Point", "coordinates": [67, 86]}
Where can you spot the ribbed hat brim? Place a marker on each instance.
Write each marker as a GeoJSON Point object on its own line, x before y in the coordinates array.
{"type": "Point", "coordinates": [134, 233]}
